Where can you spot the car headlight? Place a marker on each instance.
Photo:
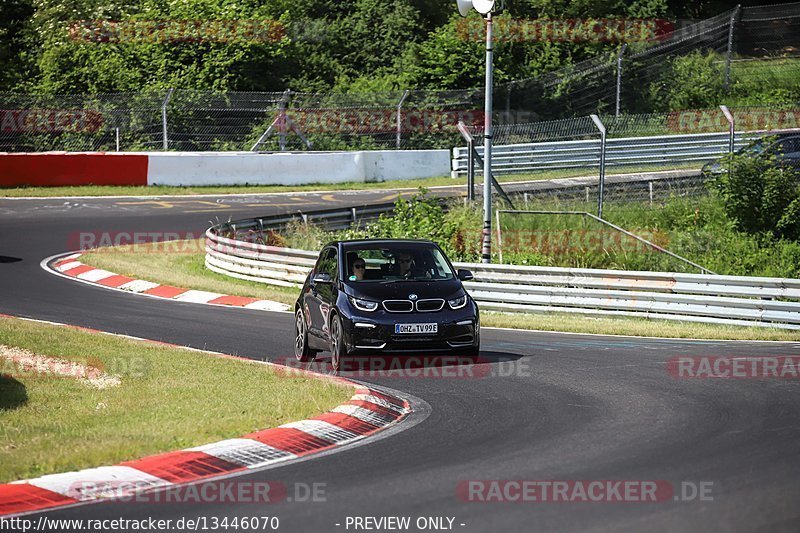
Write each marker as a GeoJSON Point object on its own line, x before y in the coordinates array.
{"type": "Point", "coordinates": [363, 305]}
{"type": "Point", "coordinates": [458, 303]}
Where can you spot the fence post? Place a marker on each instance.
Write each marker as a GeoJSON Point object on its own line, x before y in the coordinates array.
{"type": "Point", "coordinates": [731, 126]}
{"type": "Point", "coordinates": [471, 171]}
{"type": "Point", "coordinates": [731, 29]}
{"type": "Point", "coordinates": [400, 119]}
{"type": "Point", "coordinates": [619, 76]}
{"type": "Point", "coordinates": [499, 237]}
{"type": "Point", "coordinates": [117, 138]}
{"type": "Point", "coordinates": [164, 119]}
{"type": "Point", "coordinates": [602, 184]}
{"type": "Point", "coordinates": [282, 116]}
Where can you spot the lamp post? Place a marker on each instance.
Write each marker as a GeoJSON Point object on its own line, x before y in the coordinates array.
{"type": "Point", "coordinates": [487, 9]}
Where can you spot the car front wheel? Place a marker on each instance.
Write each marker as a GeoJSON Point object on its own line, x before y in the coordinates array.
{"type": "Point", "coordinates": [338, 348]}
{"type": "Point", "coordinates": [301, 350]}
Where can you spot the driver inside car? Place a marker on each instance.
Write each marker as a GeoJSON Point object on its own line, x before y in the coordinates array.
{"type": "Point", "coordinates": [406, 268]}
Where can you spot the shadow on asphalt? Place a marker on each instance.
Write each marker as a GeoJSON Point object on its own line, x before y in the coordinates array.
{"type": "Point", "coordinates": [7, 259]}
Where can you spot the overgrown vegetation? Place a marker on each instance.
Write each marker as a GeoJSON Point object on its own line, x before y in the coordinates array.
{"type": "Point", "coordinates": [698, 228]}
{"type": "Point", "coordinates": [316, 45]}
{"type": "Point", "coordinates": [697, 81]}
{"type": "Point", "coordinates": [760, 197]}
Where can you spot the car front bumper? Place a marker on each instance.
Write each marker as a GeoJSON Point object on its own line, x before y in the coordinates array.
{"type": "Point", "coordinates": [374, 333]}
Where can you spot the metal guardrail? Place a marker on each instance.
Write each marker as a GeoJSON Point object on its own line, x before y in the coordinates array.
{"type": "Point", "coordinates": [732, 300]}
{"type": "Point", "coordinates": [620, 152]}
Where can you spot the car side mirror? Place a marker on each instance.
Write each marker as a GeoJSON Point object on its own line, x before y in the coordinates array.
{"type": "Point", "coordinates": [464, 275]}
{"type": "Point", "coordinates": [322, 277]}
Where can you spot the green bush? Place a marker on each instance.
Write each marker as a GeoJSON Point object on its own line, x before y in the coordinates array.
{"type": "Point", "coordinates": [693, 81]}
{"type": "Point", "coordinates": [759, 196]}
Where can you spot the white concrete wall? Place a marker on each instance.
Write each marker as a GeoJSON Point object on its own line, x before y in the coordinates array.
{"type": "Point", "coordinates": [239, 168]}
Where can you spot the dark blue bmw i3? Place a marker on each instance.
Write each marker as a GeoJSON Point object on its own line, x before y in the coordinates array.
{"type": "Point", "coordinates": [385, 296]}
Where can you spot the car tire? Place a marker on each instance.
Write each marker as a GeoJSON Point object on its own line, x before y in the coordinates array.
{"type": "Point", "coordinates": [302, 352]}
{"type": "Point", "coordinates": [338, 348]}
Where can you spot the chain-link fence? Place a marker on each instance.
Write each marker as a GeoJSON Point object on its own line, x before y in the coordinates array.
{"type": "Point", "coordinates": [589, 163]}
{"type": "Point", "coordinates": [736, 53]}
{"type": "Point", "coordinates": [742, 51]}
{"type": "Point", "coordinates": [194, 120]}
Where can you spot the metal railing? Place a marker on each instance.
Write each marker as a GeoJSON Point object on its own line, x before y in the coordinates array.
{"type": "Point", "coordinates": [584, 154]}
{"type": "Point", "coordinates": [731, 300]}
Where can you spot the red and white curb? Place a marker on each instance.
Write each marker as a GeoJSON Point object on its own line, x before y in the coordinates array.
{"type": "Point", "coordinates": [367, 412]}
{"type": "Point", "coordinates": [70, 266]}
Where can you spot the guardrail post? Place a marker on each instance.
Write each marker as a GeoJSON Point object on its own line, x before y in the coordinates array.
{"type": "Point", "coordinates": [731, 126]}
{"type": "Point", "coordinates": [400, 120]}
{"type": "Point", "coordinates": [164, 119]}
{"type": "Point", "coordinates": [729, 54]}
{"type": "Point", "coordinates": [462, 128]}
{"type": "Point", "coordinates": [471, 171]}
{"type": "Point", "coordinates": [499, 237]}
{"type": "Point", "coordinates": [601, 189]}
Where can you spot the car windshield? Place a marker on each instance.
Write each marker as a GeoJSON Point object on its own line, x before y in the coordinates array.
{"type": "Point", "coordinates": [410, 262]}
{"type": "Point", "coordinates": [754, 148]}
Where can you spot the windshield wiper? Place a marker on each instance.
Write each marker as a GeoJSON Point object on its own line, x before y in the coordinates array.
{"type": "Point", "coordinates": [404, 279]}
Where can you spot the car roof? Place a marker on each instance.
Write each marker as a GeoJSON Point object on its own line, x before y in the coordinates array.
{"type": "Point", "coordinates": [383, 242]}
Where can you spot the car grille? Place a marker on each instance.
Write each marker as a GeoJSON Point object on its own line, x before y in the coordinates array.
{"type": "Point", "coordinates": [398, 306]}
{"type": "Point", "coordinates": [427, 306]}
{"type": "Point", "coordinates": [406, 306]}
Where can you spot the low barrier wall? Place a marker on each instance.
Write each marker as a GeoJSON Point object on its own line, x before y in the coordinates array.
{"type": "Point", "coordinates": [219, 168]}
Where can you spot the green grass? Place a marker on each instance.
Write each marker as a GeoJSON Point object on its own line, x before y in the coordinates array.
{"type": "Point", "coordinates": [187, 270]}
{"type": "Point", "coordinates": [50, 424]}
{"type": "Point", "coordinates": [760, 82]}
{"type": "Point", "coordinates": [163, 190]}
{"type": "Point", "coordinates": [696, 228]}
{"type": "Point", "coordinates": [637, 327]}
{"type": "Point", "coordinates": [181, 264]}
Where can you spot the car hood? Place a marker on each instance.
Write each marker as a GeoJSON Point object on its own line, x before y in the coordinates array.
{"type": "Point", "coordinates": [399, 290]}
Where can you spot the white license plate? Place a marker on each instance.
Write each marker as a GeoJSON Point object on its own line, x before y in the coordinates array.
{"type": "Point", "coordinates": [416, 328]}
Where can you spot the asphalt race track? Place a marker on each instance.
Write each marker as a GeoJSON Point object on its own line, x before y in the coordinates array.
{"type": "Point", "coordinates": [550, 406]}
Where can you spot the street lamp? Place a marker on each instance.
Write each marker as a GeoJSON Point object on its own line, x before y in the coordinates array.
{"type": "Point", "coordinates": [485, 8]}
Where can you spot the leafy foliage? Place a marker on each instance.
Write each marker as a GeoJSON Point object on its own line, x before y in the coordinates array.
{"type": "Point", "coordinates": [760, 197]}
{"type": "Point", "coordinates": [696, 228]}
{"type": "Point", "coordinates": [324, 44]}
{"type": "Point", "coordinates": [694, 81]}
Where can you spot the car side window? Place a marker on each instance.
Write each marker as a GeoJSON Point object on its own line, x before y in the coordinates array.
{"type": "Point", "coordinates": [327, 263]}
{"type": "Point", "coordinates": [790, 148]}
